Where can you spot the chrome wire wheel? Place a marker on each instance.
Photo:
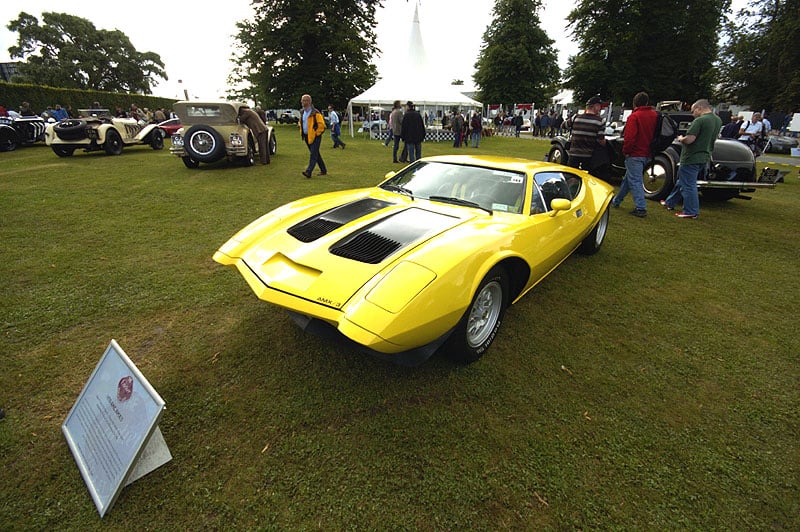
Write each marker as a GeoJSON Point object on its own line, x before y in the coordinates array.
{"type": "Point", "coordinates": [203, 142]}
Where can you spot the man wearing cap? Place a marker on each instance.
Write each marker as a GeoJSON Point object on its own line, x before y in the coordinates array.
{"type": "Point", "coordinates": [587, 136]}
{"type": "Point", "coordinates": [412, 131]}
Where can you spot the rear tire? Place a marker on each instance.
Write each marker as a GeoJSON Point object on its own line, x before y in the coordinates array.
{"type": "Point", "coordinates": [478, 327]}
{"type": "Point", "coordinates": [591, 244]}
{"type": "Point", "coordinates": [250, 158]}
{"type": "Point", "coordinates": [273, 144]}
{"type": "Point", "coordinates": [659, 177]}
{"type": "Point", "coordinates": [9, 140]}
{"type": "Point", "coordinates": [63, 151]}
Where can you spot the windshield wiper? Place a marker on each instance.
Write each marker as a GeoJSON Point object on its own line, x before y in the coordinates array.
{"type": "Point", "coordinates": [459, 201]}
{"type": "Point", "coordinates": [401, 190]}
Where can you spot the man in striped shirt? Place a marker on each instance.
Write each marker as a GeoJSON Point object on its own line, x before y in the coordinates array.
{"type": "Point", "coordinates": [587, 134]}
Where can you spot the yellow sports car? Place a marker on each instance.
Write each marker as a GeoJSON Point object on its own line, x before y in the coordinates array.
{"type": "Point", "coordinates": [429, 259]}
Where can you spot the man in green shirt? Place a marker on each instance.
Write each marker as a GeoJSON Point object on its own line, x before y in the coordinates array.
{"type": "Point", "coordinates": [697, 145]}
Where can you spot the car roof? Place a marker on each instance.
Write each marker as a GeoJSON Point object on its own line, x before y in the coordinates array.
{"type": "Point", "coordinates": [213, 112]}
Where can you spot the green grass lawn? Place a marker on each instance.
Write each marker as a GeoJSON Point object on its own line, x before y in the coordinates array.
{"type": "Point", "coordinates": [655, 385]}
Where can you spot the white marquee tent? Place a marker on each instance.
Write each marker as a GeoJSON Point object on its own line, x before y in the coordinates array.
{"type": "Point", "coordinates": [413, 81]}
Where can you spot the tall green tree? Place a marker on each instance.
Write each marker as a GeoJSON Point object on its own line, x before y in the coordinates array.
{"type": "Point", "coordinates": [294, 47]}
{"type": "Point", "coordinates": [760, 62]}
{"type": "Point", "coordinates": [69, 51]}
{"type": "Point", "coordinates": [517, 62]}
{"type": "Point", "coordinates": [664, 47]}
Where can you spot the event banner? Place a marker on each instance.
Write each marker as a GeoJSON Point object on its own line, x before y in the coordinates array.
{"type": "Point", "coordinates": [109, 428]}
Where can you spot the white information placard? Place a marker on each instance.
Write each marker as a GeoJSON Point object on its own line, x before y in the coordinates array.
{"type": "Point", "coordinates": [110, 425]}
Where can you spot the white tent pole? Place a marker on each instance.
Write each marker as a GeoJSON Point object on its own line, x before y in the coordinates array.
{"type": "Point", "coordinates": [350, 116]}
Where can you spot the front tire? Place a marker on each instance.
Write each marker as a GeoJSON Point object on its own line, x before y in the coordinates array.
{"type": "Point", "coordinates": [113, 143]}
{"type": "Point", "coordinates": [157, 139]}
{"type": "Point", "coordinates": [478, 327]}
{"type": "Point", "coordinates": [188, 162]}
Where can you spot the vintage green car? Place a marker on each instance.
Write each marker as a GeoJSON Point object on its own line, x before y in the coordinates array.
{"type": "Point", "coordinates": [212, 131]}
{"type": "Point", "coordinates": [98, 129]}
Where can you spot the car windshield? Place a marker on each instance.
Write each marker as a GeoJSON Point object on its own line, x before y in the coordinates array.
{"type": "Point", "coordinates": [491, 189]}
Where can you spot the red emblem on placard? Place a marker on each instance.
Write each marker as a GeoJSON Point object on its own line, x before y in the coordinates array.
{"type": "Point", "coordinates": [125, 389]}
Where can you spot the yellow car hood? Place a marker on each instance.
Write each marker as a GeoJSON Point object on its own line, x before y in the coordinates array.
{"type": "Point", "coordinates": [326, 257]}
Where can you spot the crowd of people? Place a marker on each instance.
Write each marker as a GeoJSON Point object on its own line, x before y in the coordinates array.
{"type": "Point", "coordinates": [58, 113]}
{"type": "Point", "coordinates": [407, 129]}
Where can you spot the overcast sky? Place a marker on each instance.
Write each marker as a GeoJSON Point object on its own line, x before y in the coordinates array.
{"type": "Point", "coordinates": [195, 43]}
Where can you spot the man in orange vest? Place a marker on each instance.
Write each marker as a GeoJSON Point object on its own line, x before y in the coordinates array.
{"type": "Point", "coordinates": [312, 126]}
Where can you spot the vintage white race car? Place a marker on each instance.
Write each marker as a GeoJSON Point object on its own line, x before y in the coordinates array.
{"type": "Point", "coordinates": [98, 129]}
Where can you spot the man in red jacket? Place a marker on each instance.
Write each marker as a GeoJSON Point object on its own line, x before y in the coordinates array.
{"type": "Point", "coordinates": [639, 131]}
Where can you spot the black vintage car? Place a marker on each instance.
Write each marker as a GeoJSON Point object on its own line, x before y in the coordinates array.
{"type": "Point", "coordinates": [731, 172]}
{"type": "Point", "coordinates": [20, 131]}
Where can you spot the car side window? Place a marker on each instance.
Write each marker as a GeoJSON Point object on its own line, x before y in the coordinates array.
{"type": "Point", "coordinates": [537, 203]}
{"type": "Point", "coordinates": [574, 183]}
{"type": "Point", "coordinates": [551, 185]}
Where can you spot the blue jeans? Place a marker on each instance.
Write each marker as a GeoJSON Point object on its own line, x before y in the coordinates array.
{"type": "Point", "coordinates": [395, 147]}
{"type": "Point", "coordinates": [476, 138]}
{"type": "Point", "coordinates": [414, 151]}
{"type": "Point", "coordinates": [634, 172]}
{"type": "Point", "coordinates": [315, 158]}
{"type": "Point", "coordinates": [686, 188]}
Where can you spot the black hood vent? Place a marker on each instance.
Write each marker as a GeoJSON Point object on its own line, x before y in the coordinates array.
{"type": "Point", "coordinates": [406, 228]}
{"type": "Point", "coordinates": [322, 224]}
{"type": "Point", "coordinates": [367, 247]}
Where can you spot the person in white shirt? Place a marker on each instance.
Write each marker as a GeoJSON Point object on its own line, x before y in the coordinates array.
{"type": "Point", "coordinates": [751, 130]}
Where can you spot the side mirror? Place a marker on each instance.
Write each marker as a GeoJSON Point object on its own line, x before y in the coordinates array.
{"type": "Point", "coordinates": [559, 204]}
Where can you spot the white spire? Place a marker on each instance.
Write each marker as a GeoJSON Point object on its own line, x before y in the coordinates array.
{"type": "Point", "coordinates": [417, 60]}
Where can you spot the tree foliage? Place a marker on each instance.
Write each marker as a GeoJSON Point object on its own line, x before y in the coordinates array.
{"type": "Point", "coordinates": [517, 62]}
{"type": "Point", "coordinates": [70, 52]}
{"type": "Point", "coordinates": [666, 48]}
{"type": "Point", "coordinates": [760, 62]}
{"type": "Point", "coordinates": [294, 47]}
